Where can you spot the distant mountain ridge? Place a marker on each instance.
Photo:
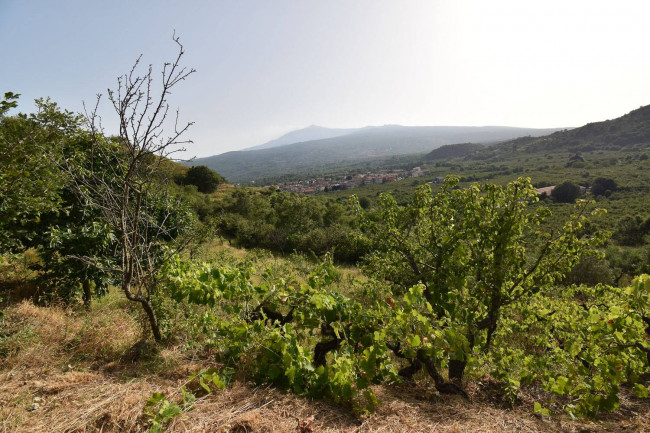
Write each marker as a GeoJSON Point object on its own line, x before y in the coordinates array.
{"type": "Point", "coordinates": [313, 132]}
{"type": "Point", "coordinates": [353, 145]}
{"type": "Point", "coordinates": [626, 132]}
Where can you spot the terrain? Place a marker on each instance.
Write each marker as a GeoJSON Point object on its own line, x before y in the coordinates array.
{"type": "Point", "coordinates": [351, 146]}
{"type": "Point", "coordinates": [76, 370]}
{"type": "Point", "coordinates": [458, 299]}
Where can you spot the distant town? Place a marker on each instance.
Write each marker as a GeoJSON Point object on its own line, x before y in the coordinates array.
{"type": "Point", "coordinates": [339, 182]}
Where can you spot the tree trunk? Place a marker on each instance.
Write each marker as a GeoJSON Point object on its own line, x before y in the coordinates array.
{"type": "Point", "coordinates": [86, 296]}
{"type": "Point", "coordinates": [443, 387]}
{"type": "Point", "coordinates": [153, 321]}
{"type": "Point", "coordinates": [456, 370]}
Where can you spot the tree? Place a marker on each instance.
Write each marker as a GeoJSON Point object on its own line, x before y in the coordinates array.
{"type": "Point", "coordinates": [203, 178]}
{"type": "Point", "coordinates": [566, 192]}
{"type": "Point", "coordinates": [630, 230]}
{"type": "Point", "coordinates": [474, 251]}
{"type": "Point", "coordinates": [76, 229]}
{"type": "Point", "coordinates": [30, 179]}
{"type": "Point", "coordinates": [45, 155]}
{"type": "Point", "coordinates": [150, 224]}
{"type": "Point", "coordinates": [591, 270]}
{"type": "Point", "coordinates": [601, 185]}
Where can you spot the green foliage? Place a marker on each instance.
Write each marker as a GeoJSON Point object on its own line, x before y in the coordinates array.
{"type": "Point", "coordinates": [30, 179]}
{"type": "Point", "coordinates": [475, 251]}
{"type": "Point", "coordinates": [495, 303]}
{"type": "Point", "coordinates": [270, 330]}
{"type": "Point", "coordinates": [449, 151]}
{"type": "Point", "coordinates": [627, 262]}
{"type": "Point", "coordinates": [583, 343]}
{"type": "Point", "coordinates": [630, 231]}
{"type": "Point", "coordinates": [601, 185]}
{"type": "Point", "coordinates": [160, 411]}
{"type": "Point", "coordinates": [566, 192]}
{"type": "Point", "coordinates": [283, 222]}
{"type": "Point", "coordinates": [77, 248]}
{"type": "Point", "coordinates": [203, 178]}
{"type": "Point", "coordinates": [9, 101]}
{"type": "Point", "coordinates": [591, 270]}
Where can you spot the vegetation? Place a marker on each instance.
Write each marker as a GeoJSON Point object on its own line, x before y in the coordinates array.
{"type": "Point", "coordinates": [355, 147]}
{"type": "Point", "coordinates": [284, 222]}
{"type": "Point", "coordinates": [475, 279]}
{"type": "Point", "coordinates": [205, 180]}
{"type": "Point", "coordinates": [603, 186]}
{"type": "Point", "coordinates": [452, 151]}
{"type": "Point", "coordinates": [30, 146]}
{"type": "Point", "coordinates": [475, 251]}
{"type": "Point", "coordinates": [566, 192]}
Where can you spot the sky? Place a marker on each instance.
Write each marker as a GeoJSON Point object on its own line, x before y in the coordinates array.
{"type": "Point", "coordinates": [265, 67]}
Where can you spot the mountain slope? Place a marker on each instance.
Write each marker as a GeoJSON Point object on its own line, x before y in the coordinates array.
{"type": "Point", "coordinates": [629, 132]}
{"type": "Point", "coordinates": [358, 145]}
{"type": "Point", "coordinates": [313, 132]}
{"type": "Point", "coordinates": [453, 151]}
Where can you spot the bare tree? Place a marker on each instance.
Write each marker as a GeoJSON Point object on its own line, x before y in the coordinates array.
{"type": "Point", "coordinates": [128, 185]}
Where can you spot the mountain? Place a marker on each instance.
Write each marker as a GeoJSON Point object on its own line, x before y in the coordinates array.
{"type": "Point", "coordinates": [628, 132]}
{"type": "Point", "coordinates": [353, 146]}
{"type": "Point", "coordinates": [313, 132]}
{"type": "Point", "coordinates": [453, 151]}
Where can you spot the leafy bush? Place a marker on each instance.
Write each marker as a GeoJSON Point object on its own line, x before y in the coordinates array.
{"type": "Point", "coordinates": [475, 250]}
{"type": "Point", "coordinates": [601, 185]}
{"type": "Point", "coordinates": [630, 231]}
{"type": "Point", "coordinates": [205, 179]}
{"type": "Point", "coordinates": [566, 192]}
{"type": "Point", "coordinates": [591, 270]}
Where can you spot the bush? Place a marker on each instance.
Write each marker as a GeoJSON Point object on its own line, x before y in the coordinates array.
{"type": "Point", "coordinates": [631, 230]}
{"type": "Point", "coordinates": [566, 192]}
{"type": "Point", "coordinates": [203, 178]}
{"type": "Point", "coordinates": [601, 185]}
{"type": "Point", "coordinates": [590, 271]}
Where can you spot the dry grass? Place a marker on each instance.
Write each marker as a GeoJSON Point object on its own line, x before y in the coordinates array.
{"type": "Point", "coordinates": [67, 373]}
{"type": "Point", "coordinates": [54, 336]}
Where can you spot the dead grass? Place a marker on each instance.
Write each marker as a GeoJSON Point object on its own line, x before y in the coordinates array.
{"type": "Point", "coordinates": [48, 337]}
{"type": "Point", "coordinates": [96, 402]}
{"type": "Point", "coordinates": [66, 372]}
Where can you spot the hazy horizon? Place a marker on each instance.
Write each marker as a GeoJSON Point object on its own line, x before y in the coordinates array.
{"type": "Point", "coordinates": [268, 68]}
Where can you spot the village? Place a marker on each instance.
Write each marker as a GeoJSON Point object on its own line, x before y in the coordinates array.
{"type": "Point", "coordinates": [339, 182]}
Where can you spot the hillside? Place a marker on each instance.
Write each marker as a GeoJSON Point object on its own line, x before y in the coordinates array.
{"type": "Point", "coordinates": [313, 132]}
{"type": "Point", "coordinates": [452, 151]}
{"type": "Point", "coordinates": [626, 133]}
{"type": "Point", "coordinates": [364, 144]}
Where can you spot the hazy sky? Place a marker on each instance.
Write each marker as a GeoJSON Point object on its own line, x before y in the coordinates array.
{"type": "Point", "coordinates": [266, 67]}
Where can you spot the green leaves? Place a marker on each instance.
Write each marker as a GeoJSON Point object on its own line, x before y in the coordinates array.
{"type": "Point", "coordinates": [474, 282]}
{"type": "Point", "coordinates": [31, 148]}
{"type": "Point", "coordinates": [470, 253]}
{"type": "Point", "coordinates": [538, 408]}
{"type": "Point", "coordinates": [160, 411]}
{"type": "Point", "coordinates": [9, 101]}
{"type": "Point", "coordinates": [581, 342]}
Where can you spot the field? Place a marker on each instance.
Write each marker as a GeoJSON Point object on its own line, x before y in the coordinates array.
{"type": "Point", "coordinates": [138, 295]}
{"type": "Point", "coordinates": [73, 370]}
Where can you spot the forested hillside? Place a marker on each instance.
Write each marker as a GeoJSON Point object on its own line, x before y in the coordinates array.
{"type": "Point", "coordinates": [141, 295]}
{"type": "Point", "coordinates": [626, 133]}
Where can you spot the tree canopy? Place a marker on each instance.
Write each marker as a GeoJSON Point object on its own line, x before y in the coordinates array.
{"type": "Point", "coordinates": [205, 179]}
{"type": "Point", "coordinates": [566, 192]}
